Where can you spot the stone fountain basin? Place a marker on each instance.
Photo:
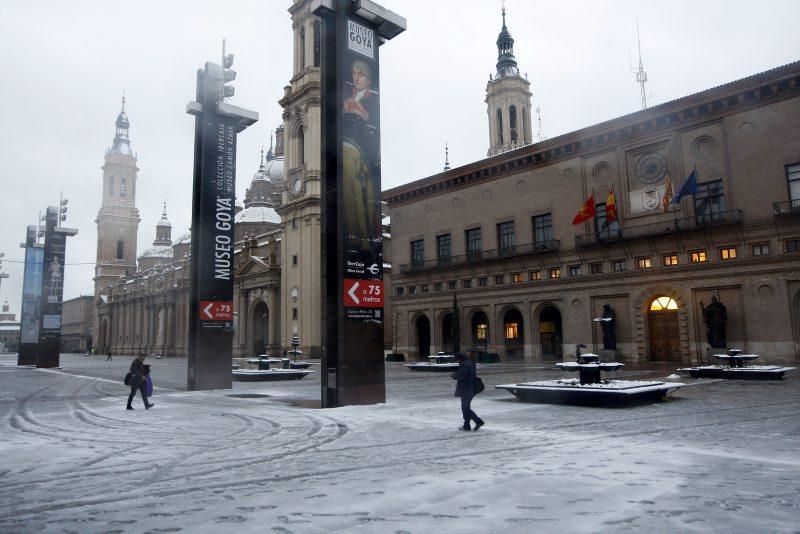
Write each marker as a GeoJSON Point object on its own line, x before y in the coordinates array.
{"type": "Point", "coordinates": [252, 375]}
{"type": "Point", "coordinates": [749, 372]}
{"type": "Point", "coordinates": [606, 393]}
{"type": "Point", "coordinates": [575, 366]}
{"type": "Point", "coordinates": [433, 367]}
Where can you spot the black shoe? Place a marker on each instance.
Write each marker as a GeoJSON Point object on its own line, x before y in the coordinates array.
{"type": "Point", "coordinates": [477, 426]}
{"type": "Point", "coordinates": [465, 428]}
{"type": "Point", "coordinates": [148, 406]}
{"type": "Point", "coordinates": [129, 408]}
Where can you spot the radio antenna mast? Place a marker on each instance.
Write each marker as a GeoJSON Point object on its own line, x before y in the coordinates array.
{"type": "Point", "coordinates": [641, 75]}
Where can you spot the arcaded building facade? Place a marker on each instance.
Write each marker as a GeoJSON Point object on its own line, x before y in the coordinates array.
{"type": "Point", "coordinates": [499, 234]}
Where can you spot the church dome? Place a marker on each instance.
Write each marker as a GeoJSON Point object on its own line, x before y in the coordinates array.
{"type": "Point", "coordinates": [258, 214]}
{"type": "Point", "coordinates": [185, 238]}
{"type": "Point", "coordinates": [273, 170]}
{"type": "Point", "coordinates": [122, 120]}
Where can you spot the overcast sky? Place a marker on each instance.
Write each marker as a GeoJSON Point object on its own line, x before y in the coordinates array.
{"type": "Point", "coordinates": [65, 65]}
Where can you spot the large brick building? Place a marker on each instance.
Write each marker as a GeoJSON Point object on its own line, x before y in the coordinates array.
{"type": "Point", "coordinates": [498, 232]}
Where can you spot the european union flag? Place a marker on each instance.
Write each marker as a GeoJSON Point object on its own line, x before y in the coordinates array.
{"type": "Point", "coordinates": [689, 188]}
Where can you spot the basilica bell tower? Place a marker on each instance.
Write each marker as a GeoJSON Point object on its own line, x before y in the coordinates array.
{"type": "Point", "coordinates": [301, 209]}
{"type": "Point", "coordinates": [118, 218]}
{"type": "Point", "coordinates": [508, 99]}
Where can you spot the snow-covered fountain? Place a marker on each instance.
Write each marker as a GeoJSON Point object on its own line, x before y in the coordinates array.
{"type": "Point", "coordinates": [732, 365]}
{"type": "Point", "coordinates": [269, 369]}
{"type": "Point", "coordinates": [440, 362]}
{"type": "Point", "coordinates": [590, 389]}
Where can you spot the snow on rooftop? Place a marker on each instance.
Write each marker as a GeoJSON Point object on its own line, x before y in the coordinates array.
{"type": "Point", "coordinates": [257, 214]}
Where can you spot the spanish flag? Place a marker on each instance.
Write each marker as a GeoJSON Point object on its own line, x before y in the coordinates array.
{"type": "Point", "coordinates": [666, 200]}
{"type": "Point", "coordinates": [586, 212]}
{"type": "Point", "coordinates": [611, 206]}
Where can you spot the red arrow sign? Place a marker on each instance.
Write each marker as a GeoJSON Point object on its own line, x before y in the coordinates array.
{"type": "Point", "coordinates": [216, 310]}
{"type": "Point", "coordinates": [363, 293]}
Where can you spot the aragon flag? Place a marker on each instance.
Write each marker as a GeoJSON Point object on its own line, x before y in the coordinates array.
{"type": "Point", "coordinates": [611, 206]}
{"type": "Point", "coordinates": [667, 198]}
{"type": "Point", "coordinates": [586, 212]}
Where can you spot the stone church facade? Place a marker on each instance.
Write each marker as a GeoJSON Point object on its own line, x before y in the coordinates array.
{"type": "Point", "coordinates": [499, 234]}
{"type": "Point", "coordinates": [142, 303]}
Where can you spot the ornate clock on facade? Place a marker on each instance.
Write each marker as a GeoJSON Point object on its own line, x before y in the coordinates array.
{"type": "Point", "coordinates": [297, 187]}
{"type": "Point", "coordinates": [650, 168]}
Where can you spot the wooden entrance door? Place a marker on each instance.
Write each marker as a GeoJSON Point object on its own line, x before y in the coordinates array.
{"type": "Point", "coordinates": [665, 343]}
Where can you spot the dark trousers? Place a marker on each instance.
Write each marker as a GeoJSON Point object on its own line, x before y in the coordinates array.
{"type": "Point", "coordinates": [467, 412]}
{"type": "Point", "coordinates": [141, 388]}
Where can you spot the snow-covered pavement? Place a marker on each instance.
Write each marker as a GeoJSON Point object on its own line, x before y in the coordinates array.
{"type": "Point", "coordinates": [717, 456]}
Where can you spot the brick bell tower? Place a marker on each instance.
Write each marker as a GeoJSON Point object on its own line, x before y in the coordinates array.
{"type": "Point", "coordinates": [118, 218]}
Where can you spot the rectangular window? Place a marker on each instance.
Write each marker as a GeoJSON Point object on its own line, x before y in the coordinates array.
{"type": "Point", "coordinates": [499, 279]}
{"type": "Point", "coordinates": [761, 249]}
{"type": "Point", "coordinates": [424, 288]}
{"type": "Point", "coordinates": [596, 268]}
{"type": "Point", "coordinates": [643, 263]}
{"type": "Point", "coordinates": [605, 229]}
{"type": "Point", "coordinates": [294, 224]}
{"type": "Point", "coordinates": [727, 253]}
{"type": "Point", "coordinates": [512, 330]}
{"type": "Point", "coordinates": [481, 331]}
{"type": "Point", "coordinates": [294, 259]}
{"type": "Point", "coordinates": [466, 284]}
{"type": "Point", "coordinates": [698, 256]}
{"type": "Point", "coordinates": [444, 251]}
{"type": "Point", "coordinates": [534, 275]}
{"type": "Point", "coordinates": [294, 313]}
{"type": "Point", "coordinates": [412, 290]}
{"type": "Point", "coordinates": [437, 286]}
{"type": "Point", "coordinates": [555, 272]}
{"type": "Point", "coordinates": [451, 284]}
{"type": "Point", "coordinates": [542, 229]}
{"type": "Point", "coordinates": [793, 245]}
{"type": "Point", "coordinates": [793, 177]}
{"type": "Point", "coordinates": [483, 281]}
{"type": "Point", "coordinates": [516, 278]}
{"type": "Point", "coordinates": [506, 240]}
{"type": "Point", "coordinates": [399, 291]}
{"type": "Point", "coordinates": [417, 254]}
{"type": "Point", "coordinates": [671, 259]}
{"type": "Point", "coordinates": [120, 250]}
{"type": "Point", "coordinates": [473, 240]}
{"type": "Point", "coordinates": [619, 265]}
{"type": "Point", "coordinates": [122, 187]}
{"type": "Point", "coordinates": [574, 270]}
{"type": "Point", "coordinates": [709, 200]}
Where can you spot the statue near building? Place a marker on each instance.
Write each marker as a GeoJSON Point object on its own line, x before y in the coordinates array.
{"type": "Point", "coordinates": [609, 328]}
{"type": "Point", "coordinates": [715, 316]}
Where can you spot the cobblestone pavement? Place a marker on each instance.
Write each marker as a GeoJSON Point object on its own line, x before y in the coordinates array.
{"type": "Point", "coordinates": [716, 456]}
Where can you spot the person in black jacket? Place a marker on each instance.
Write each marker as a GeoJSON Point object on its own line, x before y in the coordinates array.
{"type": "Point", "coordinates": [138, 382]}
{"type": "Point", "coordinates": [465, 388]}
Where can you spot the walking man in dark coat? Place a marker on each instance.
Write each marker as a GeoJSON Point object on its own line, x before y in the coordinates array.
{"type": "Point", "coordinates": [108, 355]}
{"type": "Point", "coordinates": [465, 388]}
{"type": "Point", "coordinates": [138, 382]}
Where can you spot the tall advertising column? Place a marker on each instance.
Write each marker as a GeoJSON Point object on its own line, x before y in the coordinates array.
{"type": "Point", "coordinates": [352, 367]}
{"type": "Point", "coordinates": [213, 209]}
{"type": "Point", "coordinates": [55, 248]}
{"type": "Point", "coordinates": [31, 299]}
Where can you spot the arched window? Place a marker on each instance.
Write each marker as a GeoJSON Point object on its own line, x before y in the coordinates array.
{"type": "Point", "coordinates": [301, 146]}
{"type": "Point", "coordinates": [525, 138]}
{"type": "Point", "coordinates": [120, 250]}
{"type": "Point", "coordinates": [111, 186]}
{"type": "Point", "coordinates": [663, 303]}
{"type": "Point", "coordinates": [512, 122]}
{"type": "Point", "coordinates": [500, 126]}
{"type": "Point", "coordinates": [122, 187]}
{"type": "Point", "coordinates": [301, 49]}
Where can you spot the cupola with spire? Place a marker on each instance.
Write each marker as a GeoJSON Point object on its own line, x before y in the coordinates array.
{"type": "Point", "coordinates": [508, 99]}
{"type": "Point", "coordinates": [122, 144]}
{"type": "Point", "coordinates": [506, 63]}
{"type": "Point", "coordinates": [163, 229]}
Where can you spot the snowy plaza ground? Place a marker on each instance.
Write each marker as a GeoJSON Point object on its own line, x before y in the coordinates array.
{"type": "Point", "coordinates": [716, 456]}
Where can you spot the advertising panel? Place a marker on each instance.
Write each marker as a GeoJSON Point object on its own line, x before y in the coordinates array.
{"type": "Point", "coordinates": [31, 295]}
